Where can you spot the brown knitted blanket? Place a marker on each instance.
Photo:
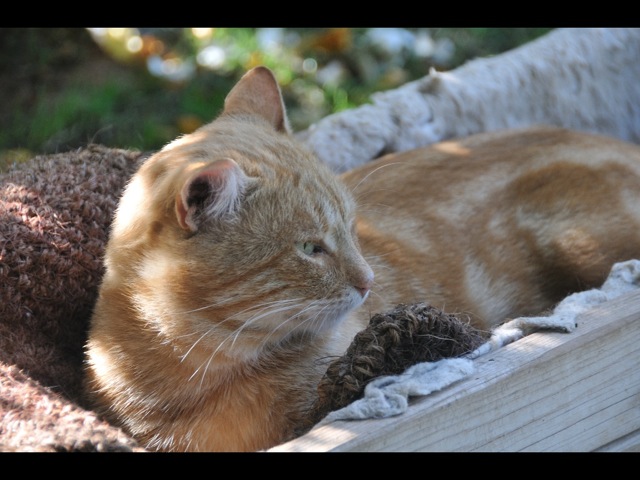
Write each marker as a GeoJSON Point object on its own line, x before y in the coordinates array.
{"type": "Point", "coordinates": [55, 213]}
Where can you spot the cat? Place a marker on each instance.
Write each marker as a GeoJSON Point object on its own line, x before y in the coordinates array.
{"type": "Point", "coordinates": [238, 264]}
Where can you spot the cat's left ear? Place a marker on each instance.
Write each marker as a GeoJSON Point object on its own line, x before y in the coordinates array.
{"type": "Point", "coordinates": [258, 93]}
{"type": "Point", "coordinates": [211, 192]}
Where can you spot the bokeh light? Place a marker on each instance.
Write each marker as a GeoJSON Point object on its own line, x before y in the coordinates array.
{"type": "Point", "coordinates": [156, 83]}
{"type": "Point", "coordinates": [211, 56]}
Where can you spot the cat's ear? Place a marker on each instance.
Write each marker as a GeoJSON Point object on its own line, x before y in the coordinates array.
{"type": "Point", "coordinates": [211, 192]}
{"type": "Point", "coordinates": [258, 93]}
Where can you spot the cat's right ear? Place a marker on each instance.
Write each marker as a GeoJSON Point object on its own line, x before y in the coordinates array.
{"type": "Point", "coordinates": [211, 192]}
{"type": "Point", "coordinates": [258, 93]}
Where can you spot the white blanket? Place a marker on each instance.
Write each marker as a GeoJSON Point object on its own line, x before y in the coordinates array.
{"type": "Point", "coordinates": [579, 78]}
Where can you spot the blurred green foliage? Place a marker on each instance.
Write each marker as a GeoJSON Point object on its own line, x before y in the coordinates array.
{"type": "Point", "coordinates": [140, 88]}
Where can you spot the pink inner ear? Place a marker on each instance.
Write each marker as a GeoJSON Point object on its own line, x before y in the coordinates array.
{"type": "Point", "coordinates": [212, 191]}
{"type": "Point", "coordinates": [181, 214]}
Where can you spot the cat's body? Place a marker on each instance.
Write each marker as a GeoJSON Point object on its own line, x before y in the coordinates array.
{"type": "Point", "coordinates": [234, 271]}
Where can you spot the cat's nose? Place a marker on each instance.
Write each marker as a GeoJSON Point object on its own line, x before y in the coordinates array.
{"type": "Point", "coordinates": [362, 290]}
{"type": "Point", "coordinates": [364, 285]}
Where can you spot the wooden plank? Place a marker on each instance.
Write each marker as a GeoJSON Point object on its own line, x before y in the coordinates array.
{"type": "Point", "coordinates": [628, 443]}
{"type": "Point", "coordinates": [550, 391]}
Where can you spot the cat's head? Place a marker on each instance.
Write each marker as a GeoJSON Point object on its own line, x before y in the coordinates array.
{"type": "Point", "coordinates": [237, 230]}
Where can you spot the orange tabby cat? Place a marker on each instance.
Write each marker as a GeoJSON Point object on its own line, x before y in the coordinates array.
{"type": "Point", "coordinates": [238, 264]}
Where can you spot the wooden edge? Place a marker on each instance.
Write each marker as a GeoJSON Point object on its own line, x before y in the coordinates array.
{"type": "Point", "coordinates": [628, 443]}
{"type": "Point", "coordinates": [550, 391]}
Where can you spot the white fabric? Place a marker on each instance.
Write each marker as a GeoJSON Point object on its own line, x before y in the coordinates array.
{"type": "Point", "coordinates": [389, 395]}
{"type": "Point", "coordinates": [579, 78]}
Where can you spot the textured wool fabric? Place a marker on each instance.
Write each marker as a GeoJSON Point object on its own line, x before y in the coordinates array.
{"type": "Point", "coordinates": [55, 213]}
{"type": "Point", "coordinates": [35, 419]}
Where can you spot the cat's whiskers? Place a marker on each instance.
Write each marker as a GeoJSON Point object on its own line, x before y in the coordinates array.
{"type": "Point", "coordinates": [308, 307]}
{"type": "Point", "coordinates": [213, 328]}
{"type": "Point", "coordinates": [373, 292]}
{"type": "Point", "coordinates": [260, 316]}
{"type": "Point", "coordinates": [261, 307]}
{"type": "Point", "coordinates": [184, 357]}
{"type": "Point", "coordinates": [373, 208]}
{"type": "Point", "coordinates": [374, 171]}
{"type": "Point", "coordinates": [316, 312]}
{"type": "Point", "coordinates": [312, 305]}
{"type": "Point", "coordinates": [236, 333]}
{"type": "Point", "coordinates": [262, 313]}
{"type": "Point", "coordinates": [335, 308]}
{"type": "Point", "coordinates": [222, 302]}
{"type": "Point", "coordinates": [376, 266]}
{"type": "Point", "coordinates": [371, 258]}
{"type": "Point", "coordinates": [368, 258]}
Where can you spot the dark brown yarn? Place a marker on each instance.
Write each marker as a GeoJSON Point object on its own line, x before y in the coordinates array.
{"type": "Point", "coordinates": [391, 343]}
{"type": "Point", "coordinates": [55, 213]}
{"type": "Point", "coordinates": [35, 419]}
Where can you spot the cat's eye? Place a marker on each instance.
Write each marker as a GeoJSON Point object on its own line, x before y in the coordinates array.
{"type": "Point", "coordinates": [310, 248]}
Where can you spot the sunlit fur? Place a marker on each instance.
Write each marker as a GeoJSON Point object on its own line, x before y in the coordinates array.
{"type": "Point", "coordinates": [236, 265]}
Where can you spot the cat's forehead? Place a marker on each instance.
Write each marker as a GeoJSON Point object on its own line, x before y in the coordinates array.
{"type": "Point", "coordinates": [300, 191]}
{"type": "Point", "coordinates": [283, 173]}
{"type": "Point", "coordinates": [306, 188]}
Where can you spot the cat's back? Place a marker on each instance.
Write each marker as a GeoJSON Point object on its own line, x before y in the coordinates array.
{"type": "Point", "coordinates": [488, 158]}
{"type": "Point", "coordinates": [499, 223]}
{"type": "Point", "coordinates": [451, 181]}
